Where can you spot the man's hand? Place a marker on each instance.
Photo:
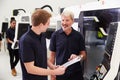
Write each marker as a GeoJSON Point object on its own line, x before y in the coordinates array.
{"type": "Point", "coordinates": [60, 70]}
{"type": "Point", "coordinates": [72, 57]}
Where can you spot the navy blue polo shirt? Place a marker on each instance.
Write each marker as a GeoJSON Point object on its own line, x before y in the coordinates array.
{"type": "Point", "coordinates": [65, 45]}
{"type": "Point", "coordinates": [33, 48]}
{"type": "Point", "coordinates": [10, 33]}
{"type": "Point", "coordinates": [0, 37]}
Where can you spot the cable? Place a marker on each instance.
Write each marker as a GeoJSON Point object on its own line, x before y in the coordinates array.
{"type": "Point", "coordinates": [47, 6]}
{"type": "Point", "coordinates": [16, 11]}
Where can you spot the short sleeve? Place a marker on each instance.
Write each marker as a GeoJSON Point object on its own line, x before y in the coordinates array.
{"type": "Point", "coordinates": [82, 43]}
{"type": "Point", "coordinates": [0, 37]}
{"type": "Point", "coordinates": [26, 50]}
{"type": "Point", "coordinates": [7, 34]}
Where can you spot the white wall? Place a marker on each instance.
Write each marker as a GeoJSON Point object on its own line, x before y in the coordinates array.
{"type": "Point", "coordinates": [7, 6]}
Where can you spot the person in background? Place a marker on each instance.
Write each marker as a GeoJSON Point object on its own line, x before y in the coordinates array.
{"type": "Point", "coordinates": [33, 52]}
{"type": "Point", "coordinates": [13, 53]}
{"type": "Point", "coordinates": [66, 44]}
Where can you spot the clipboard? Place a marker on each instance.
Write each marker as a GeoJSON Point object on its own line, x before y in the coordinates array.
{"type": "Point", "coordinates": [75, 60]}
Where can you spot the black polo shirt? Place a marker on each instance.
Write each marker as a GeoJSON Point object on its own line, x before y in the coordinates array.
{"type": "Point", "coordinates": [10, 33]}
{"type": "Point", "coordinates": [65, 45]}
{"type": "Point", "coordinates": [33, 48]}
{"type": "Point", "coordinates": [0, 37]}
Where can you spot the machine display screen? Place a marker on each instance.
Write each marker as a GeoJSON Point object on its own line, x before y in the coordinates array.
{"type": "Point", "coordinates": [22, 28]}
{"type": "Point", "coordinates": [4, 26]}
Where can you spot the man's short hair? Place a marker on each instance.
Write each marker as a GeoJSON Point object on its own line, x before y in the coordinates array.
{"type": "Point", "coordinates": [68, 13]}
{"type": "Point", "coordinates": [40, 16]}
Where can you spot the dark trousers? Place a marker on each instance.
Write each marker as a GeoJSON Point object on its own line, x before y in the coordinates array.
{"type": "Point", "coordinates": [14, 57]}
{"type": "Point", "coordinates": [73, 76]}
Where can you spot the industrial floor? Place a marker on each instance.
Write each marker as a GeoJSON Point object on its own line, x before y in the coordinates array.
{"type": "Point", "coordinates": [5, 71]}
{"type": "Point", "coordinates": [94, 58]}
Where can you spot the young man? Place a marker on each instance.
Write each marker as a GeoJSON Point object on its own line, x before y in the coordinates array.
{"type": "Point", "coordinates": [65, 45]}
{"type": "Point", "coordinates": [33, 52]}
{"type": "Point", "coordinates": [13, 53]}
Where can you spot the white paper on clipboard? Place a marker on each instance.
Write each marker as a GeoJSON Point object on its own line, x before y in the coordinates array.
{"type": "Point", "coordinates": [77, 59]}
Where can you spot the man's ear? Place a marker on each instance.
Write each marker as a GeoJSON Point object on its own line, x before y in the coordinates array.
{"type": "Point", "coordinates": [73, 22]}
{"type": "Point", "coordinates": [41, 24]}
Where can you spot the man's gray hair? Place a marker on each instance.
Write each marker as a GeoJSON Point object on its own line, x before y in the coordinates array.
{"type": "Point", "coordinates": [68, 13]}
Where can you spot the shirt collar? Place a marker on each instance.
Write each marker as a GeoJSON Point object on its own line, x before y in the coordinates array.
{"type": "Point", "coordinates": [34, 34]}
{"type": "Point", "coordinates": [61, 30]}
